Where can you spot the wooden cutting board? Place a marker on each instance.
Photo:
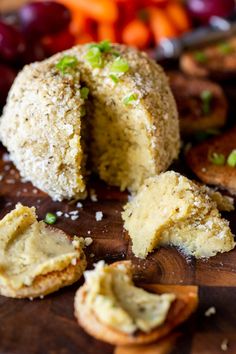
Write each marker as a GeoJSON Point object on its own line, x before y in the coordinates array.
{"type": "Point", "coordinates": [48, 326]}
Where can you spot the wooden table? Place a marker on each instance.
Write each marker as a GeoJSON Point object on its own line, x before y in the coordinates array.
{"type": "Point", "coordinates": [48, 326]}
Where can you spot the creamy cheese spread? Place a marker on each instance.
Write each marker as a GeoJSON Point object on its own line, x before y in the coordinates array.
{"type": "Point", "coordinates": [117, 302]}
{"type": "Point", "coordinates": [29, 248]}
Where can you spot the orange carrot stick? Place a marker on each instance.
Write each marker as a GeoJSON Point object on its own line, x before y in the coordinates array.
{"type": "Point", "coordinates": [99, 10]}
{"type": "Point", "coordinates": [84, 38]}
{"type": "Point", "coordinates": [136, 33]}
{"type": "Point", "coordinates": [177, 14]}
{"type": "Point", "coordinates": [106, 31]}
{"type": "Point", "coordinates": [160, 24]}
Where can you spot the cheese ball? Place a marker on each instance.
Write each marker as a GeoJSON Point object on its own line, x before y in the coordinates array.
{"type": "Point", "coordinates": [119, 111]}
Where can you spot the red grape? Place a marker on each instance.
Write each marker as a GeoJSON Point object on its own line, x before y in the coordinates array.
{"type": "Point", "coordinates": [202, 10]}
{"type": "Point", "coordinates": [34, 52]}
{"type": "Point", "coordinates": [7, 76]}
{"type": "Point", "coordinates": [58, 42]}
{"type": "Point", "coordinates": [12, 43]}
{"type": "Point", "coordinates": [42, 18]}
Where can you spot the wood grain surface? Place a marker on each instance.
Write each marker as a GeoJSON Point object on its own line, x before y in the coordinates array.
{"type": "Point", "coordinates": [48, 326]}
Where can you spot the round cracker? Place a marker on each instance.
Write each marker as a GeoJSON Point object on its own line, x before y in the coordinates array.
{"type": "Point", "coordinates": [50, 282]}
{"type": "Point", "coordinates": [184, 305]}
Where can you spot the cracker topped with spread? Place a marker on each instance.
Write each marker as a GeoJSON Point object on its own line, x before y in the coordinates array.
{"type": "Point", "coordinates": [111, 308]}
{"type": "Point", "coordinates": [36, 259]}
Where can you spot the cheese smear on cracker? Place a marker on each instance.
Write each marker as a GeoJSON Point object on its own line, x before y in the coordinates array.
{"type": "Point", "coordinates": [29, 248]}
{"type": "Point", "coordinates": [118, 303]}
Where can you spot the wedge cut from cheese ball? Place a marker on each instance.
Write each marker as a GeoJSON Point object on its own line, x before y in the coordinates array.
{"type": "Point", "coordinates": [36, 259]}
{"type": "Point", "coordinates": [111, 308]}
{"type": "Point", "coordinates": [170, 209]}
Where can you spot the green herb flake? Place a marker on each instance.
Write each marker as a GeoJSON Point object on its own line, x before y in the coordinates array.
{"type": "Point", "coordinates": [67, 63]}
{"type": "Point", "coordinates": [231, 160]}
{"type": "Point", "coordinates": [119, 66]}
{"type": "Point", "coordinates": [129, 100]}
{"type": "Point", "coordinates": [206, 97]}
{"type": "Point", "coordinates": [225, 48]}
{"type": "Point", "coordinates": [94, 57]}
{"type": "Point", "coordinates": [115, 53]}
{"type": "Point", "coordinates": [50, 218]}
{"type": "Point", "coordinates": [200, 57]}
{"type": "Point", "coordinates": [104, 46]}
{"type": "Point", "coordinates": [114, 78]}
{"type": "Point", "coordinates": [84, 92]}
{"type": "Point", "coordinates": [217, 159]}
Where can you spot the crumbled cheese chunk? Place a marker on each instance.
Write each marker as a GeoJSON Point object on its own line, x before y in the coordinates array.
{"type": "Point", "coordinates": [224, 345]}
{"type": "Point", "coordinates": [88, 241]}
{"type": "Point", "coordinates": [99, 215]}
{"type": "Point", "coordinates": [74, 212]}
{"type": "Point", "coordinates": [59, 213]}
{"type": "Point", "coordinates": [93, 195]}
{"type": "Point", "coordinates": [79, 205]}
{"type": "Point", "coordinates": [211, 311]}
{"type": "Point", "coordinates": [74, 217]}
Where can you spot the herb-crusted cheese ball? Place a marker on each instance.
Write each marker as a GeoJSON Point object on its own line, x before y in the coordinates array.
{"type": "Point", "coordinates": [169, 209]}
{"type": "Point", "coordinates": [129, 118]}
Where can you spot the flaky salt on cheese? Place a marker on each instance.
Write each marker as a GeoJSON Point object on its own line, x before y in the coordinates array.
{"type": "Point", "coordinates": [169, 209]}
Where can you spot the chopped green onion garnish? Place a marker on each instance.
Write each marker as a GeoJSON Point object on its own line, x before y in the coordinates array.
{"type": "Point", "coordinates": [94, 57]}
{"type": "Point", "coordinates": [114, 78]}
{"type": "Point", "coordinates": [66, 63]}
{"type": "Point", "coordinates": [119, 66]}
{"type": "Point", "coordinates": [104, 46]}
{"type": "Point", "coordinates": [200, 57]}
{"type": "Point", "coordinates": [84, 91]}
{"type": "Point", "coordinates": [50, 218]}
{"type": "Point", "coordinates": [115, 53]}
{"type": "Point", "coordinates": [206, 97]}
{"type": "Point", "coordinates": [231, 160]}
{"type": "Point", "coordinates": [130, 99]}
{"type": "Point", "coordinates": [217, 159]}
{"type": "Point", "coordinates": [225, 48]}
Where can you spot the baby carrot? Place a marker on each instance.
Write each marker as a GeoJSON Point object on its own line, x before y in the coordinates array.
{"type": "Point", "coordinates": [136, 33]}
{"type": "Point", "coordinates": [177, 14]}
{"type": "Point", "coordinates": [99, 10]}
{"type": "Point", "coordinates": [106, 31]}
{"type": "Point", "coordinates": [78, 23]}
{"type": "Point", "coordinates": [84, 38]}
{"type": "Point", "coordinates": [160, 24]}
